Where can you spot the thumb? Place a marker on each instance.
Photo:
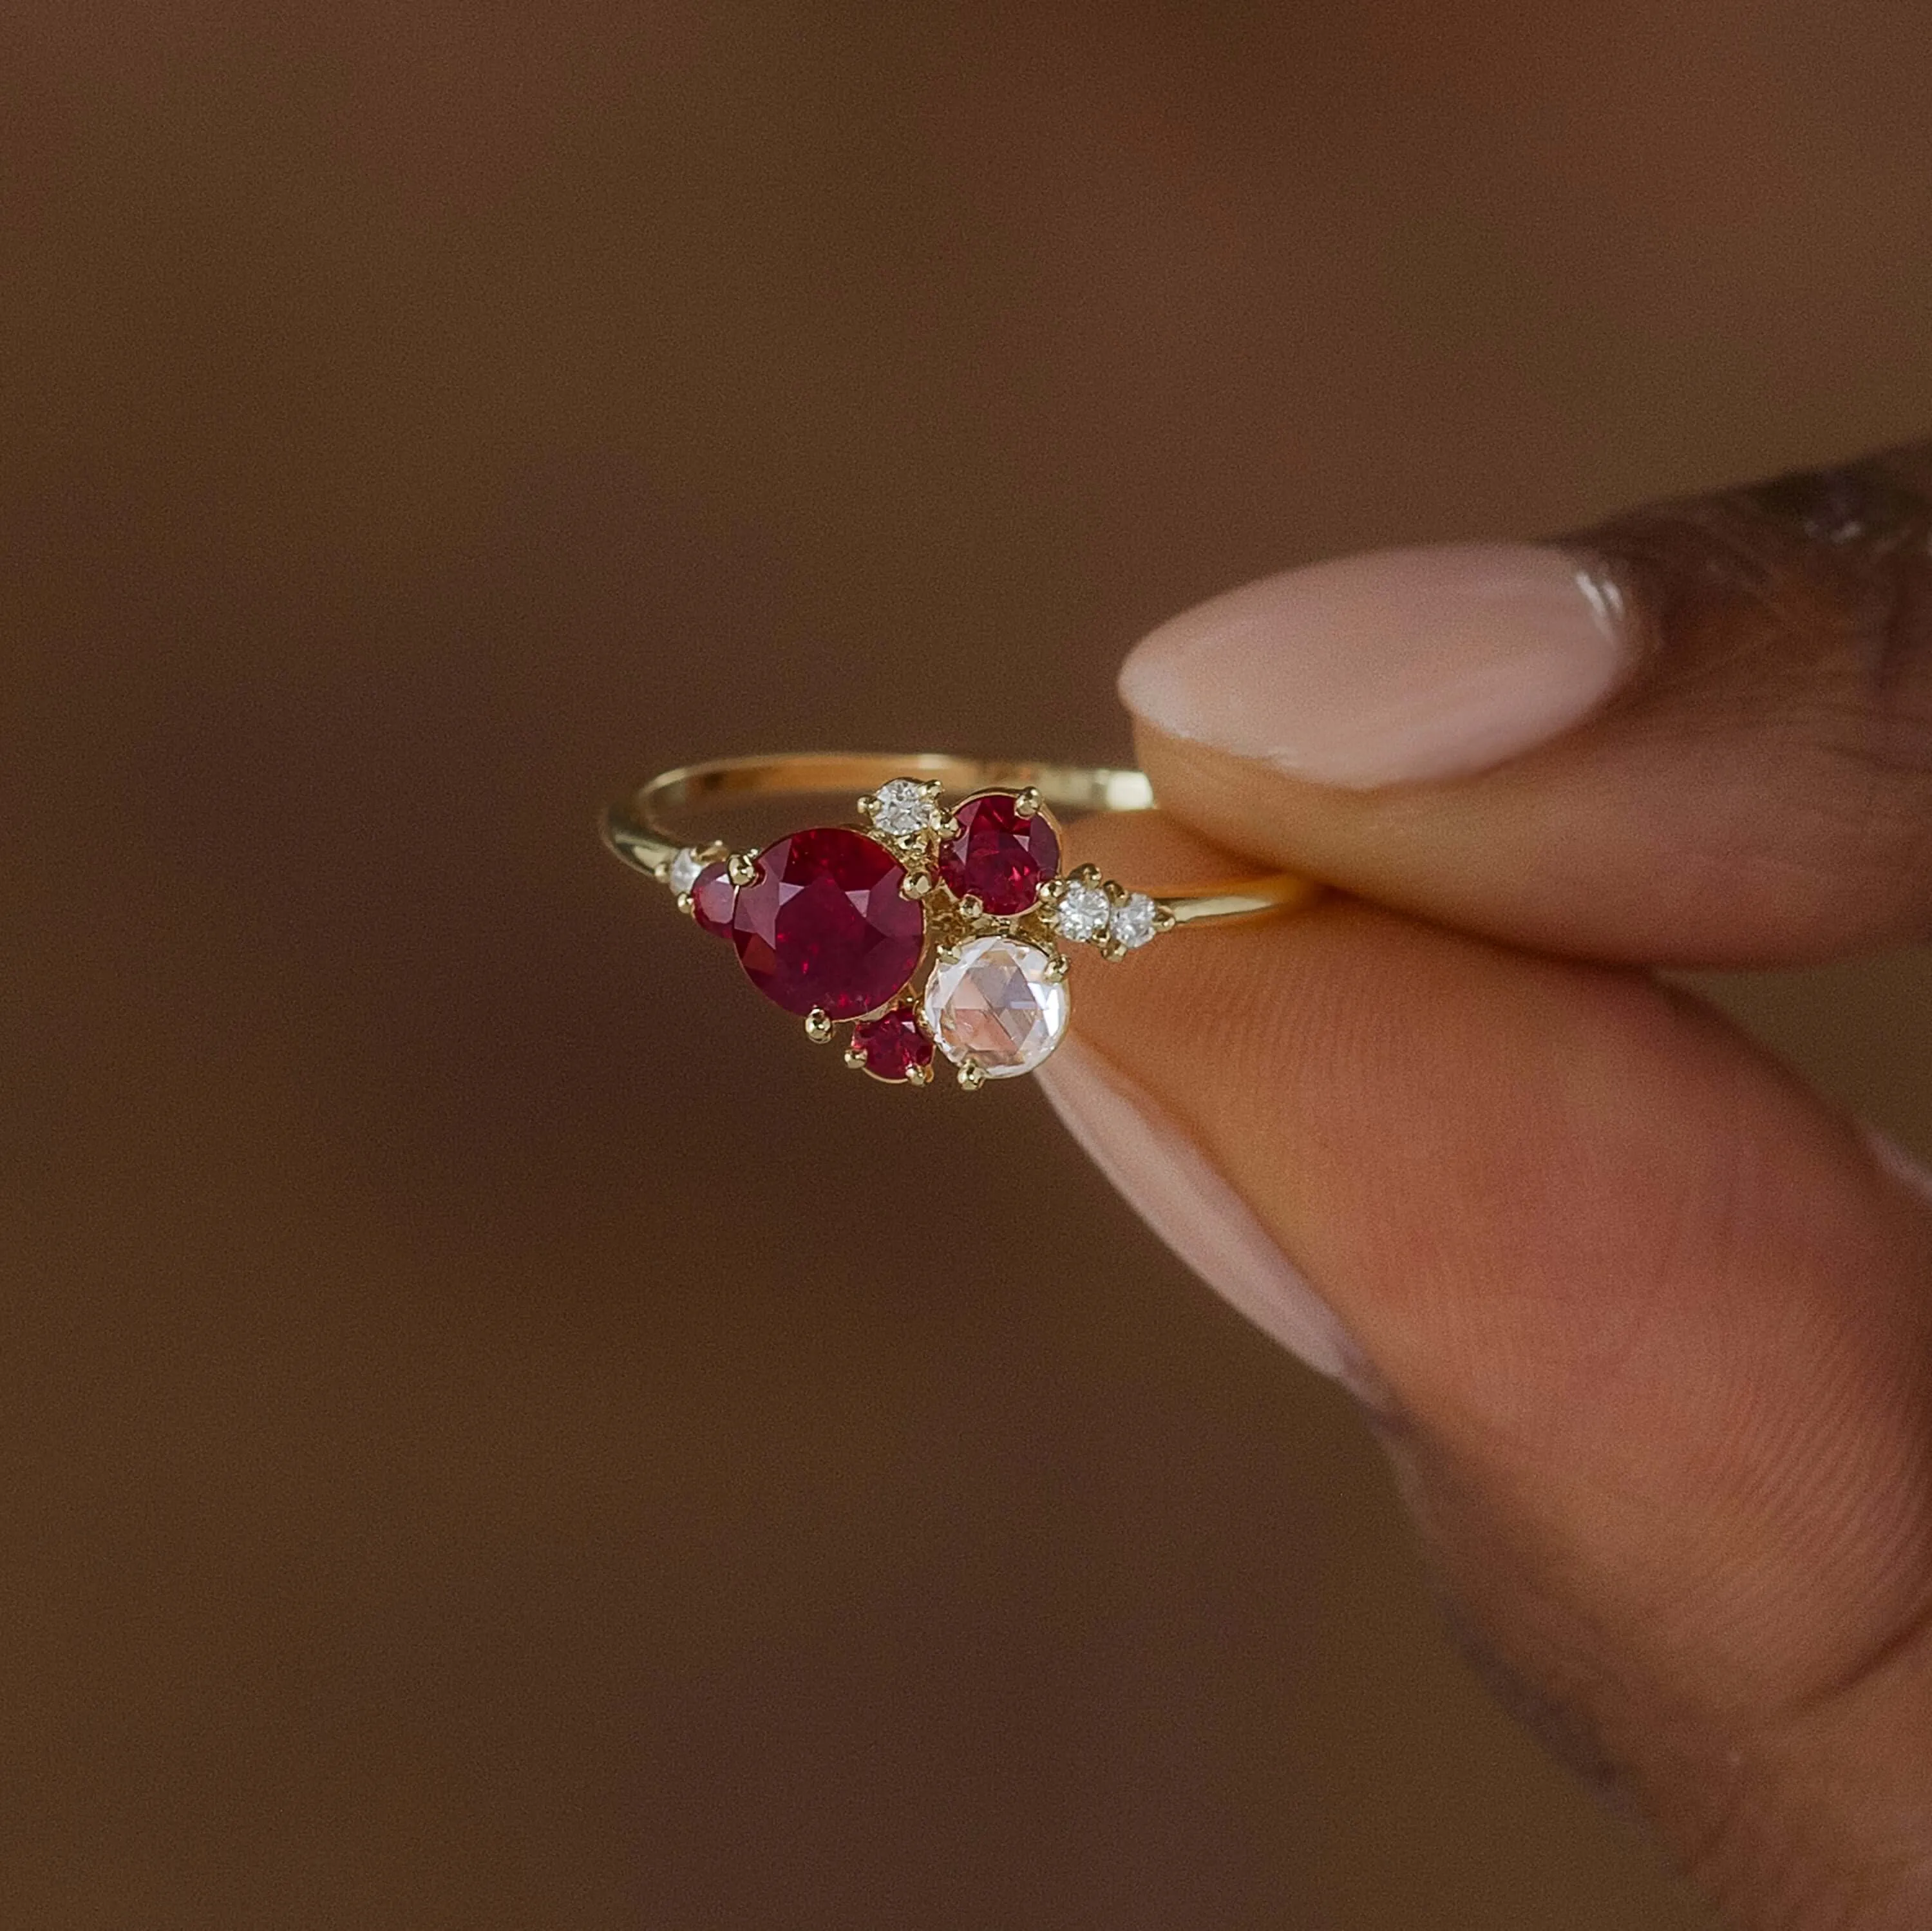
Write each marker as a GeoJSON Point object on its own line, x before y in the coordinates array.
{"type": "Point", "coordinates": [1648, 1331]}
{"type": "Point", "coordinates": [1648, 1328]}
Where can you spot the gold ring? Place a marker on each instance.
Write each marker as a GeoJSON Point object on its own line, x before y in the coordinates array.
{"type": "Point", "coordinates": [926, 924]}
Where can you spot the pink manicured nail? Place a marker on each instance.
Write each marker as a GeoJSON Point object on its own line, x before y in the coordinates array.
{"type": "Point", "coordinates": [1166, 1178]}
{"type": "Point", "coordinates": [1399, 666]}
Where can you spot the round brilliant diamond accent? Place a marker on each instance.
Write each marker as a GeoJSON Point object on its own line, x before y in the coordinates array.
{"type": "Point", "coordinates": [1083, 912]}
{"type": "Point", "coordinates": [902, 807]}
{"type": "Point", "coordinates": [681, 874]}
{"type": "Point", "coordinates": [1131, 924]}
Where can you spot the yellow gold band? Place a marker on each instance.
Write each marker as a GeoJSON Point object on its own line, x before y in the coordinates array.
{"type": "Point", "coordinates": [636, 831]}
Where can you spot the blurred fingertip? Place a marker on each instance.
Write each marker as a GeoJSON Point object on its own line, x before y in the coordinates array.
{"type": "Point", "coordinates": [1900, 1164]}
{"type": "Point", "coordinates": [1161, 1172]}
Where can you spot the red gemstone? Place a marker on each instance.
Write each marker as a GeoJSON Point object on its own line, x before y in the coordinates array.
{"type": "Point", "coordinates": [713, 898]}
{"type": "Point", "coordinates": [1000, 858]}
{"type": "Point", "coordinates": [824, 926]}
{"type": "Point", "coordinates": [893, 1044]}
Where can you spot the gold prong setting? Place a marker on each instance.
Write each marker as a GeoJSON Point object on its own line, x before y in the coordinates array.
{"type": "Point", "coordinates": [681, 870]}
{"type": "Point", "coordinates": [1106, 915]}
{"type": "Point", "coordinates": [991, 996]}
{"type": "Point", "coordinates": [1082, 907]}
{"type": "Point", "coordinates": [893, 1047]}
{"type": "Point", "coordinates": [903, 809]}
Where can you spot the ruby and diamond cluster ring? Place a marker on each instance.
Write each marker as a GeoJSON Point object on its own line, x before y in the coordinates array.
{"type": "Point", "coordinates": [936, 924]}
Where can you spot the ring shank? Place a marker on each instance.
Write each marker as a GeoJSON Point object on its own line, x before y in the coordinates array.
{"type": "Point", "coordinates": [636, 831]}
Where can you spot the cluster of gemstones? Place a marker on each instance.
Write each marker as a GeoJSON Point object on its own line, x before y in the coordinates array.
{"type": "Point", "coordinates": [931, 932]}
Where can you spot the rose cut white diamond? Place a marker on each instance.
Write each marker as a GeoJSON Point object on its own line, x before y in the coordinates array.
{"type": "Point", "coordinates": [1083, 912]}
{"type": "Point", "coordinates": [996, 1003]}
{"type": "Point", "coordinates": [902, 806]}
{"type": "Point", "coordinates": [681, 872]}
{"type": "Point", "coordinates": [1132, 922]}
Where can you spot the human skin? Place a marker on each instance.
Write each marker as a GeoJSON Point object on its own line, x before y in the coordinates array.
{"type": "Point", "coordinates": [1645, 1326]}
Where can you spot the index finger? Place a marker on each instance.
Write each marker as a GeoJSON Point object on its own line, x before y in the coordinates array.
{"type": "Point", "coordinates": [1699, 733]}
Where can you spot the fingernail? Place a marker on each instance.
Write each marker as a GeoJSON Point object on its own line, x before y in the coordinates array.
{"type": "Point", "coordinates": [1166, 1178]}
{"type": "Point", "coordinates": [1399, 666]}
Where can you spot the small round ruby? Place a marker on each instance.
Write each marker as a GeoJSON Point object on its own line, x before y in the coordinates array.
{"type": "Point", "coordinates": [824, 926]}
{"type": "Point", "coordinates": [713, 899]}
{"type": "Point", "coordinates": [893, 1044]}
{"type": "Point", "coordinates": [999, 857]}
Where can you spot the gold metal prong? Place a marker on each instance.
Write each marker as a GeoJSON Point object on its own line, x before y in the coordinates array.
{"type": "Point", "coordinates": [1164, 919]}
{"type": "Point", "coordinates": [917, 1075]}
{"type": "Point", "coordinates": [1051, 891]}
{"type": "Point", "coordinates": [972, 1075]}
{"type": "Point", "coordinates": [855, 1059]}
{"type": "Point", "coordinates": [1111, 948]}
{"type": "Point", "coordinates": [1026, 803]}
{"type": "Point", "coordinates": [684, 903]}
{"type": "Point", "coordinates": [970, 907]}
{"type": "Point", "coordinates": [1056, 966]}
{"type": "Point", "coordinates": [818, 1026]}
{"type": "Point", "coordinates": [1088, 875]}
{"type": "Point", "coordinates": [742, 867]}
{"type": "Point", "coordinates": [915, 884]}
{"type": "Point", "coordinates": [868, 805]}
{"type": "Point", "coordinates": [948, 827]}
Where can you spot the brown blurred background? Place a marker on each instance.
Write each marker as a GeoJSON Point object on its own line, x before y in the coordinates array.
{"type": "Point", "coordinates": [481, 1450]}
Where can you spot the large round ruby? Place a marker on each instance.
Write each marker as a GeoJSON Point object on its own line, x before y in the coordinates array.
{"type": "Point", "coordinates": [999, 857]}
{"type": "Point", "coordinates": [824, 926]}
